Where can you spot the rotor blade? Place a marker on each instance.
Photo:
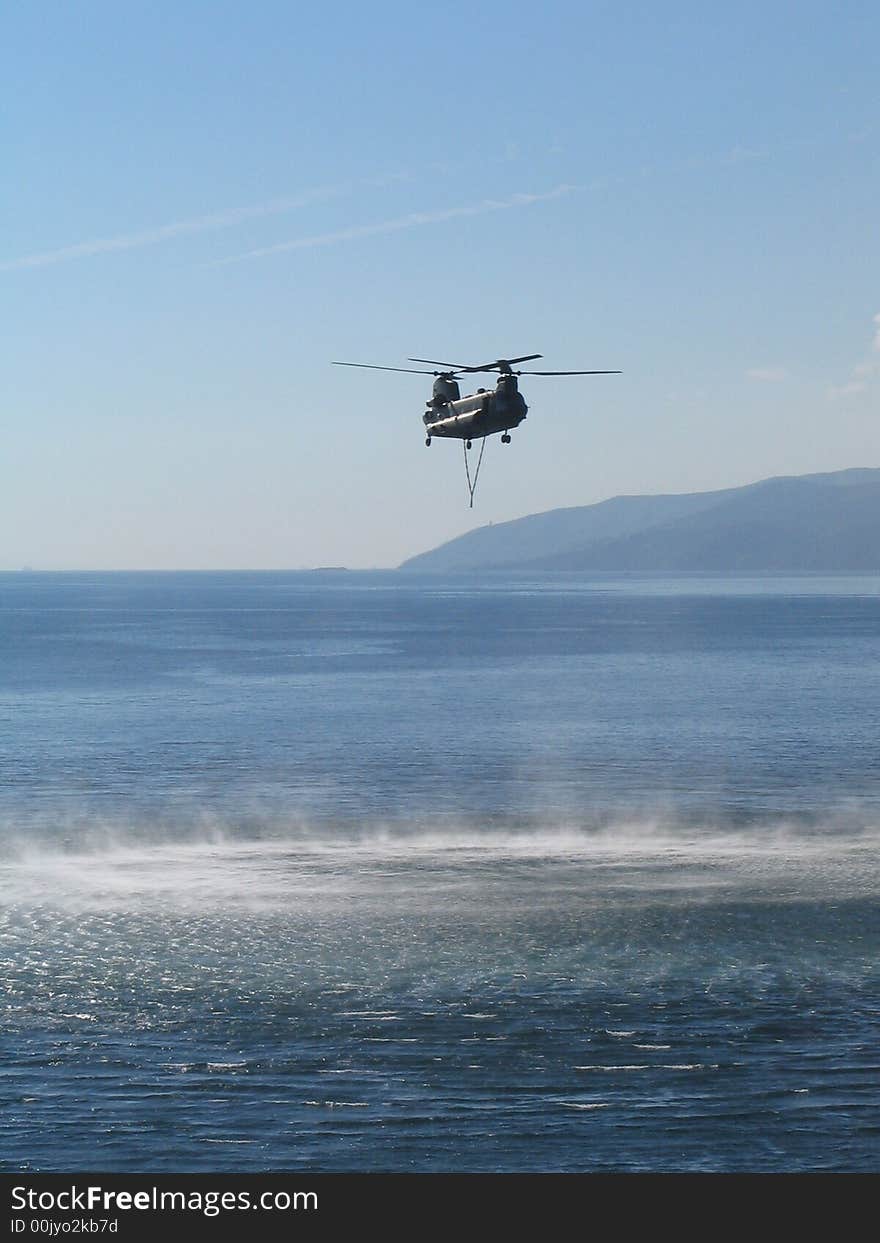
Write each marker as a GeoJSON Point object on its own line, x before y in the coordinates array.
{"type": "Point", "coordinates": [569, 373]}
{"type": "Point", "coordinates": [374, 367]}
{"type": "Point", "coordinates": [495, 366]}
{"type": "Point", "coordinates": [500, 363]}
{"type": "Point", "coordinates": [446, 366]}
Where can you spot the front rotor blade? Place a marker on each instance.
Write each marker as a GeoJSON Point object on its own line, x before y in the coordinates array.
{"type": "Point", "coordinates": [500, 363]}
{"type": "Point", "coordinates": [497, 365]}
{"type": "Point", "coordinates": [445, 366]}
{"type": "Point", "coordinates": [569, 373]}
{"type": "Point", "coordinates": [375, 367]}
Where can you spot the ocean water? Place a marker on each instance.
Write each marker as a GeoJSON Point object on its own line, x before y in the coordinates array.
{"type": "Point", "coordinates": [362, 872]}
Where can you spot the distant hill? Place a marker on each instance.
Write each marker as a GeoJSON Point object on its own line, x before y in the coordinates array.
{"type": "Point", "coordinates": [808, 522]}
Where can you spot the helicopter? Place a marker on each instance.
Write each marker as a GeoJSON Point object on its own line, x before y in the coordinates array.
{"type": "Point", "coordinates": [450, 416]}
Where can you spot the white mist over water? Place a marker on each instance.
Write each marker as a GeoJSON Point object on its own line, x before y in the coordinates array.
{"type": "Point", "coordinates": [299, 866]}
{"type": "Point", "coordinates": [337, 1000]}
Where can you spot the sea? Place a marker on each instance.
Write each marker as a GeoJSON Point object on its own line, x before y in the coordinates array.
{"type": "Point", "coordinates": [342, 871]}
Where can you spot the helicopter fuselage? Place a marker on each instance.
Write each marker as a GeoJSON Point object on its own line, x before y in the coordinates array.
{"type": "Point", "coordinates": [481, 414]}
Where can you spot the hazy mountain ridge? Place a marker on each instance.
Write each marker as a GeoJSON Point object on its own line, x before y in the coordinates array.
{"type": "Point", "coordinates": [811, 522]}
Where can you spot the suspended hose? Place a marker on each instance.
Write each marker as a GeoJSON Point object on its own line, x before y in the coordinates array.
{"type": "Point", "coordinates": [472, 487]}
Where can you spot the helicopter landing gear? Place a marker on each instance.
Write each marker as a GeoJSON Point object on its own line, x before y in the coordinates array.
{"type": "Point", "coordinates": [428, 441]}
{"type": "Point", "coordinates": [468, 445]}
{"type": "Point", "coordinates": [505, 439]}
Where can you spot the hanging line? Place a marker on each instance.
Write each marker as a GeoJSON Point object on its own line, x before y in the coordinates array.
{"type": "Point", "coordinates": [472, 487]}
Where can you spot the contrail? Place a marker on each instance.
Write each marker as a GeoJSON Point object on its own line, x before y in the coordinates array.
{"type": "Point", "coordinates": [414, 220]}
{"type": "Point", "coordinates": [180, 228]}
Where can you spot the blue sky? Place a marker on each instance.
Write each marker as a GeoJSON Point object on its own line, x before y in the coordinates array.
{"type": "Point", "coordinates": [206, 203]}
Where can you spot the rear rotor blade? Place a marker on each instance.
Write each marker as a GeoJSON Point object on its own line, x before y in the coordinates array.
{"type": "Point", "coordinates": [569, 373]}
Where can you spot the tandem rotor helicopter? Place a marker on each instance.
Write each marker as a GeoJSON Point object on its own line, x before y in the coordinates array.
{"type": "Point", "coordinates": [483, 413]}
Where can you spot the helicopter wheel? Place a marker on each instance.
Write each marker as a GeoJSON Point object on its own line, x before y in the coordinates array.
{"type": "Point", "coordinates": [505, 439]}
{"type": "Point", "coordinates": [428, 441]}
{"type": "Point", "coordinates": [468, 444]}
